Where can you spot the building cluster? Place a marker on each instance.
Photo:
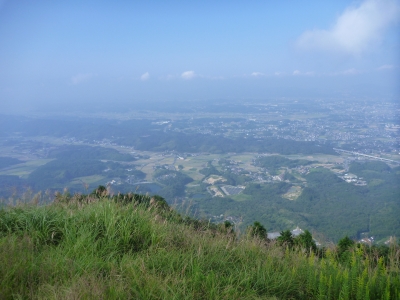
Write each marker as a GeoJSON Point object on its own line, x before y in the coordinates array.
{"type": "Point", "coordinates": [367, 128]}
{"type": "Point", "coordinates": [351, 178]}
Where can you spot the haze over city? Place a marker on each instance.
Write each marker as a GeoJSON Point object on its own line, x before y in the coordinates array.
{"type": "Point", "coordinates": [73, 55]}
{"type": "Point", "coordinates": [200, 149]}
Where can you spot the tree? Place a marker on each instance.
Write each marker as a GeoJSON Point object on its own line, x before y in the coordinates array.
{"type": "Point", "coordinates": [258, 230]}
{"type": "Point", "coordinates": [305, 241]}
{"type": "Point", "coordinates": [343, 248]}
{"type": "Point", "coordinates": [286, 239]}
{"type": "Point", "coordinates": [159, 202]}
{"type": "Point", "coordinates": [101, 191]}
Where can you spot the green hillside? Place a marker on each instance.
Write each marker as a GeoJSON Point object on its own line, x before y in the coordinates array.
{"type": "Point", "coordinates": [136, 247]}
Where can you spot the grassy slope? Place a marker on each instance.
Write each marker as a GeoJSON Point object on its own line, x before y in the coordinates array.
{"type": "Point", "coordinates": [108, 250]}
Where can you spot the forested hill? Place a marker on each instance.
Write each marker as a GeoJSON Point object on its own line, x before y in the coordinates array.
{"type": "Point", "coordinates": [135, 246]}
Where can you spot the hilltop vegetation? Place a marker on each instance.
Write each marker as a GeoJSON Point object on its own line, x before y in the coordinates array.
{"type": "Point", "coordinates": [59, 172]}
{"type": "Point", "coordinates": [135, 246]}
{"type": "Point", "coordinates": [326, 204]}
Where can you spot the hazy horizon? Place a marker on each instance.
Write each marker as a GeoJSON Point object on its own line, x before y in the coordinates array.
{"type": "Point", "coordinates": [74, 55]}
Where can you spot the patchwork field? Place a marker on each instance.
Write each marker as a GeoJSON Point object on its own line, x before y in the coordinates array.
{"type": "Point", "coordinates": [293, 193]}
{"type": "Point", "coordinates": [87, 179]}
{"type": "Point", "coordinates": [24, 169]}
{"type": "Point", "coordinates": [214, 179]}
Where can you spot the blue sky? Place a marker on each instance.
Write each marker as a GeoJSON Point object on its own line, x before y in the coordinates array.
{"type": "Point", "coordinates": [85, 52]}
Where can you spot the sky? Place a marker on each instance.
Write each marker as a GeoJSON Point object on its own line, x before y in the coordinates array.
{"type": "Point", "coordinates": [77, 54]}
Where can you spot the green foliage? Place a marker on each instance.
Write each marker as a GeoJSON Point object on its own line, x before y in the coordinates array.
{"type": "Point", "coordinates": [266, 190]}
{"type": "Point", "coordinates": [376, 166]}
{"type": "Point", "coordinates": [345, 244]}
{"type": "Point", "coordinates": [173, 183]}
{"type": "Point", "coordinates": [343, 248]}
{"type": "Point", "coordinates": [133, 246]}
{"type": "Point", "coordinates": [327, 204]}
{"type": "Point", "coordinates": [235, 179]}
{"type": "Point", "coordinates": [265, 201]}
{"type": "Point", "coordinates": [58, 172]}
{"type": "Point", "coordinates": [169, 177]}
{"type": "Point", "coordinates": [337, 208]}
{"type": "Point", "coordinates": [101, 191]}
{"type": "Point", "coordinates": [276, 161]}
{"type": "Point", "coordinates": [209, 170]}
{"type": "Point", "coordinates": [257, 230]}
{"type": "Point", "coordinates": [305, 241]}
{"type": "Point", "coordinates": [117, 170]}
{"type": "Point", "coordinates": [286, 239]}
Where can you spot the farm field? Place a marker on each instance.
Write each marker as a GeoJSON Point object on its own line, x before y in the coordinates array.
{"type": "Point", "coordinates": [24, 169]}
{"type": "Point", "coordinates": [273, 188]}
{"type": "Point", "coordinates": [293, 193]}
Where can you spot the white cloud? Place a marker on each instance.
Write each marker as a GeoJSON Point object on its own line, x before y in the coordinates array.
{"type": "Point", "coordinates": [297, 73]}
{"type": "Point", "coordinates": [385, 67]}
{"type": "Point", "coordinates": [356, 30]}
{"type": "Point", "coordinates": [145, 76]}
{"type": "Point", "coordinates": [256, 74]}
{"type": "Point", "coordinates": [77, 79]}
{"type": "Point", "coordinates": [188, 75]}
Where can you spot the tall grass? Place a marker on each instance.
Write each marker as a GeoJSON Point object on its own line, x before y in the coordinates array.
{"type": "Point", "coordinates": [90, 248]}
